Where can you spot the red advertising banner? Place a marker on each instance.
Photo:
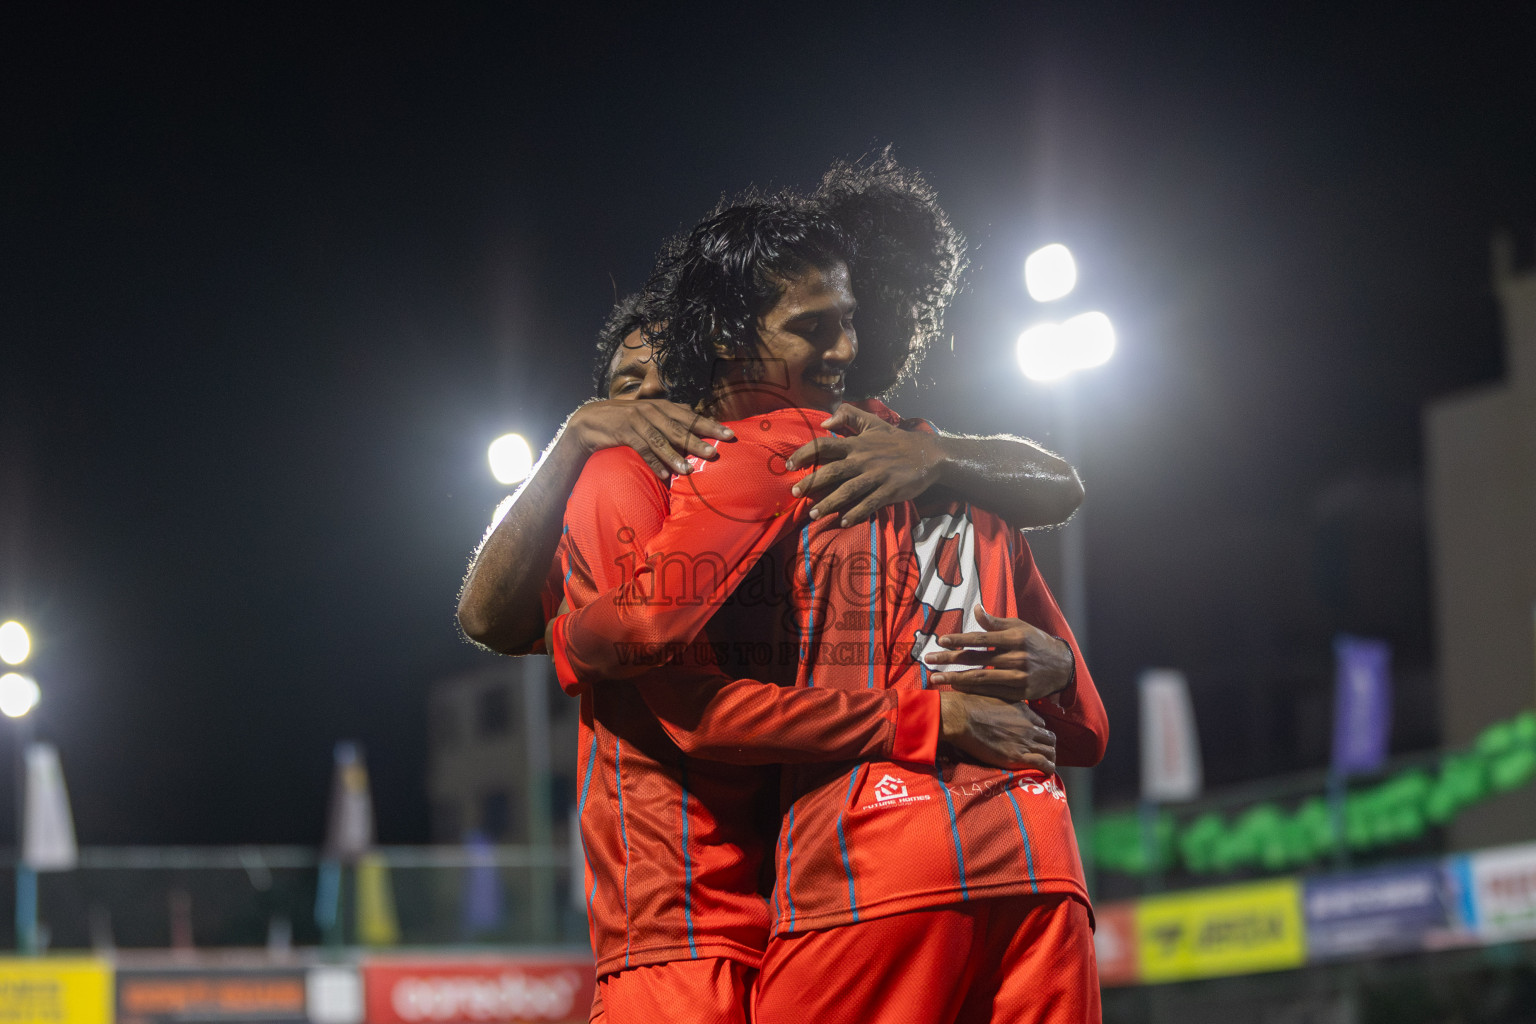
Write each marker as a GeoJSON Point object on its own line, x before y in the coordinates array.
{"type": "Point", "coordinates": [209, 994]}
{"type": "Point", "coordinates": [1114, 943]}
{"type": "Point", "coordinates": [479, 990]}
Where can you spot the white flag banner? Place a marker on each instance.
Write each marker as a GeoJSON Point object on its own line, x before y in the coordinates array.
{"type": "Point", "coordinates": [1170, 746]}
{"type": "Point", "coordinates": [48, 830]}
{"type": "Point", "coordinates": [349, 828]}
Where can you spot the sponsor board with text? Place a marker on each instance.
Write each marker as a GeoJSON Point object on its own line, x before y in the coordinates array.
{"type": "Point", "coordinates": [1500, 892]}
{"type": "Point", "coordinates": [1240, 929]}
{"type": "Point", "coordinates": [553, 989]}
{"type": "Point", "coordinates": [166, 995]}
{"type": "Point", "coordinates": [54, 991]}
{"type": "Point", "coordinates": [1386, 910]}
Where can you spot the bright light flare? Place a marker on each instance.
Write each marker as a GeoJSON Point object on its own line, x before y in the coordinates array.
{"type": "Point", "coordinates": [1050, 273]}
{"type": "Point", "coordinates": [511, 458]}
{"type": "Point", "coordinates": [18, 694]}
{"type": "Point", "coordinates": [15, 645]}
{"type": "Point", "coordinates": [1051, 351]}
{"type": "Point", "coordinates": [501, 511]}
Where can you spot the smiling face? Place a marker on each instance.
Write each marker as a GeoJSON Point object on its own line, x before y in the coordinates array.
{"type": "Point", "coordinates": [632, 373]}
{"type": "Point", "coordinates": [806, 343]}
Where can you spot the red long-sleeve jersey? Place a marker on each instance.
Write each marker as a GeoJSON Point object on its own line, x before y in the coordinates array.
{"type": "Point", "coordinates": [853, 611]}
{"type": "Point", "coordinates": [675, 844]}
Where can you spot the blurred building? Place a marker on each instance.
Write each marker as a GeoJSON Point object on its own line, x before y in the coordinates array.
{"type": "Point", "coordinates": [488, 771]}
{"type": "Point", "coordinates": [1480, 452]}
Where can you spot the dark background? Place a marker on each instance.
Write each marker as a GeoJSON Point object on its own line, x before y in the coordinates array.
{"type": "Point", "coordinates": [270, 286]}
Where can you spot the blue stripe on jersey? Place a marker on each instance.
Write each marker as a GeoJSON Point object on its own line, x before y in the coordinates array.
{"type": "Point", "coordinates": [563, 536]}
{"type": "Point", "coordinates": [842, 841]}
{"type": "Point", "coordinates": [954, 833]}
{"type": "Point", "coordinates": [874, 588]}
{"type": "Point", "coordinates": [789, 850]}
{"type": "Point", "coordinates": [1018, 816]}
{"type": "Point", "coordinates": [581, 806]}
{"type": "Point", "coordinates": [687, 863]}
{"type": "Point", "coordinates": [809, 654]}
{"type": "Point", "coordinates": [618, 773]}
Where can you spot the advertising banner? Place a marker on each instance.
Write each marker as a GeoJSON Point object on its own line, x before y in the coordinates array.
{"type": "Point", "coordinates": [1114, 943]}
{"type": "Point", "coordinates": [479, 990]}
{"type": "Point", "coordinates": [1170, 744]}
{"type": "Point", "coordinates": [1240, 929]}
{"type": "Point", "coordinates": [48, 829]}
{"type": "Point", "coordinates": [1362, 703]}
{"type": "Point", "coordinates": [1390, 910]}
{"type": "Point", "coordinates": [48, 991]}
{"type": "Point", "coordinates": [1501, 891]}
{"type": "Point", "coordinates": [163, 995]}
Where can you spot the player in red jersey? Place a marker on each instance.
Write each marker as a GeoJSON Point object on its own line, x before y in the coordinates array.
{"type": "Point", "coordinates": [866, 470]}
{"type": "Point", "coordinates": [674, 851]}
{"type": "Point", "coordinates": [868, 843]}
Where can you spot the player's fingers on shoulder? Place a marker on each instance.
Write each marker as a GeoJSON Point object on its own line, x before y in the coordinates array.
{"type": "Point", "coordinates": [845, 495]}
{"type": "Point", "coordinates": [650, 459]}
{"type": "Point", "coordinates": [696, 445]}
{"type": "Point", "coordinates": [822, 478]}
{"type": "Point", "coordinates": [819, 450]}
{"type": "Point", "coordinates": [866, 508]}
{"type": "Point", "coordinates": [805, 455]}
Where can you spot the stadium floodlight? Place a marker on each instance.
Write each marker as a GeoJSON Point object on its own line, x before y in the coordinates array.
{"type": "Point", "coordinates": [18, 694]}
{"type": "Point", "coordinates": [1051, 351]}
{"type": "Point", "coordinates": [15, 645]}
{"type": "Point", "coordinates": [511, 458]}
{"type": "Point", "coordinates": [1050, 273]}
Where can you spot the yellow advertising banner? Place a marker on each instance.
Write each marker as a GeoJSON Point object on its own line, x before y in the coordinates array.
{"type": "Point", "coordinates": [49, 991]}
{"type": "Point", "coordinates": [1239, 929]}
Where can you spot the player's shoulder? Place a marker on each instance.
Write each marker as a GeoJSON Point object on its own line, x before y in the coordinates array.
{"type": "Point", "coordinates": [782, 430]}
{"type": "Point", "coordinates": [619, 470]}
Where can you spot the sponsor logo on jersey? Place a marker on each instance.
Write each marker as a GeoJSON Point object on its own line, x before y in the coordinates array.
{"type": "Point", "coordinates": [891, 791]}
{"type": "Point", "coordinates": [1032, 784]}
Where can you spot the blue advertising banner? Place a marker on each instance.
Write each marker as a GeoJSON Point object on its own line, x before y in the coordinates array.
{"type": "Point", "coordinates": [1362, 705]}
{"type": "Point", "coordinates": [1383, 910]}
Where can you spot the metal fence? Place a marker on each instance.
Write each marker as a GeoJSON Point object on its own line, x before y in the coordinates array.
{"type": "Point", "coordinates": [266, 896]}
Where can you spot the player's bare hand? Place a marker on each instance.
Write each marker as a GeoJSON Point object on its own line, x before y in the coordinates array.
{"type": "Point", "coordinates": [997, 732]}
{"type": "Point", "coordinates": [873, 465]}
{"type": "Point", "coordinates": [664, 433]}
{"type": "Point", "coordinates": [1018, 661]}
{"type": "Point", "coordinates": [549, 627]}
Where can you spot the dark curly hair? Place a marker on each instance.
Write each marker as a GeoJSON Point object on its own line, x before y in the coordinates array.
{"type": "Point", "coordinates": [630, 314]}
{"type": "Point", "coordinates": [725, 274]}
{"type": "Point", "coordinates": [905, 269]}
{"type": "Point", "coordinates": [904, 259]}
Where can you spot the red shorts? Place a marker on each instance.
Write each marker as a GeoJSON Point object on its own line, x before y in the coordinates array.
{"type": "Point", "coordinates": [1024, 959]}
{"type": "Point", "coordinates": [708, 991]}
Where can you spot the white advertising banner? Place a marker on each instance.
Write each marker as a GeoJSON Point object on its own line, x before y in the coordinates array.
{"type": "Point", "coordinates": [1170, 746]}
{"type": "Point", "coordinates": [1502, 887]}
{"type": "Point", "coordinates": [49, 830]}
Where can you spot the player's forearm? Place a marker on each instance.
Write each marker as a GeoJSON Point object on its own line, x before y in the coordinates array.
{"type": "Point", "coordinates": [744, 721]}
{"type": "Point", "coordinates": [1017, 479]}
{"type": "Point", "coordinates": [500, 604]}
{"type": "Point", "coordinates": [714, 540]}
{"type": "Point", "coordinates": [1077, 717]}
{"type": "Point", "coordinates": [1077, 745]}
{"type": "Point", "coordinates": [655, 617]}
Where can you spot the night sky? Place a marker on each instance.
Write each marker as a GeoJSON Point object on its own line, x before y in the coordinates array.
{"type": "Point", "coordinates": [270, 286]}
